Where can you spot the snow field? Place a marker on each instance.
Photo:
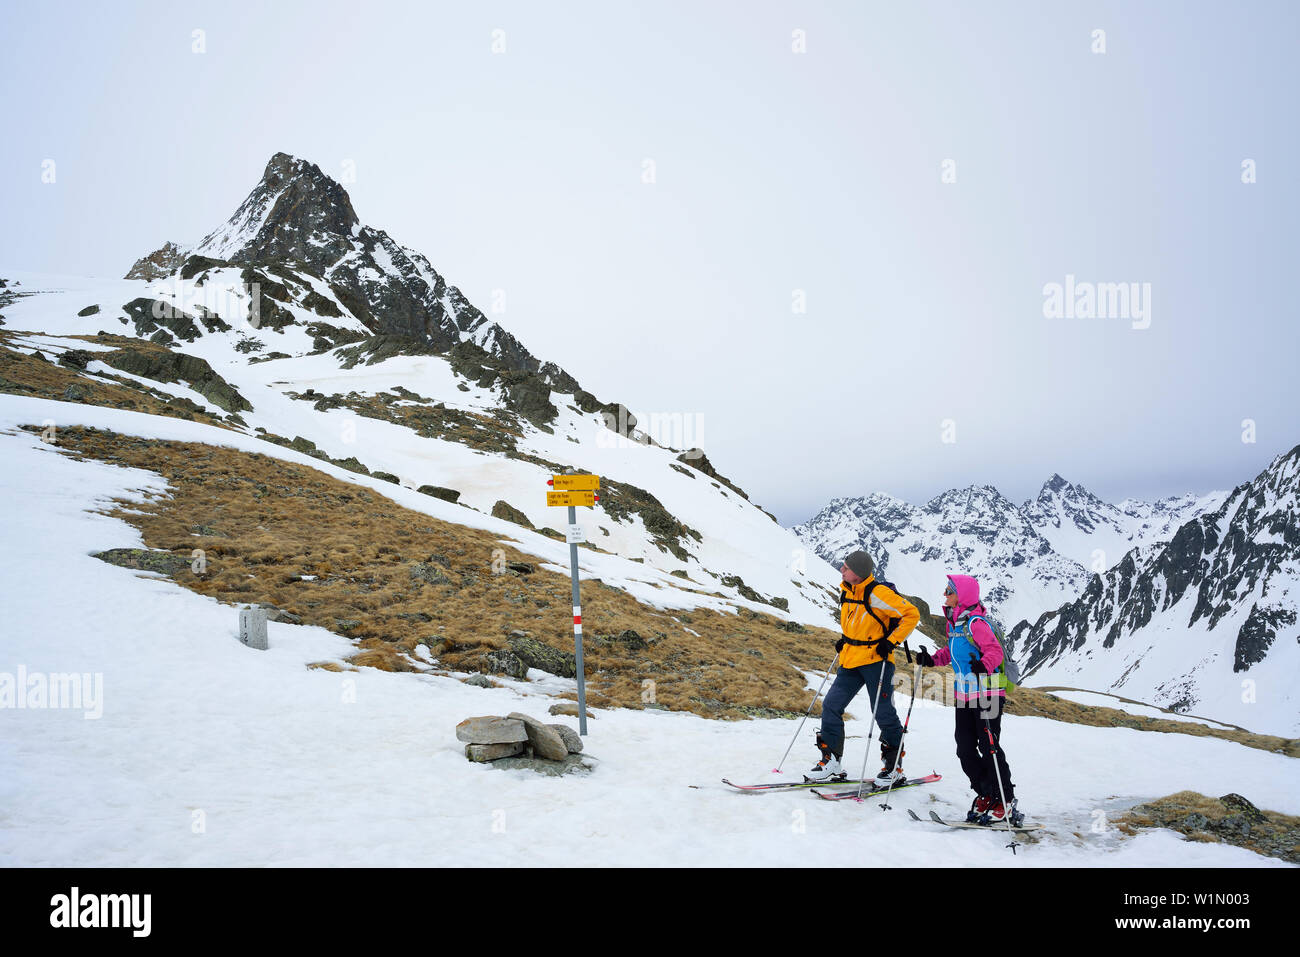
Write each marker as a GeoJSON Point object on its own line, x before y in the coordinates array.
{"type": "Point", "coordinates": [292, 766]}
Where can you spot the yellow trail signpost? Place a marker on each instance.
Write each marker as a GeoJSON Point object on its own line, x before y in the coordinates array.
{"type": "Point", "coordinates": [575, 490]}
{"type": "Point", "coordinates": [571, 498]}
{"type": "Point", "coordinates": [575, 483]}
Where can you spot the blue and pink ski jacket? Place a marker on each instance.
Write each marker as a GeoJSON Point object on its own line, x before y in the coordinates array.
{"type": "Point", "coordinates": [968, 640]}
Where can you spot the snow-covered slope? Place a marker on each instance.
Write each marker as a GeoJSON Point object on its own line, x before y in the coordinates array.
{"type": "Point", "coordinates": [737, 539]}
{"type": "Point", "coordinates": [330, 332]}
{"type": "Point", "coordinates": [1206, 622]}
{"type": "Point", "coordinates": [311, 768]}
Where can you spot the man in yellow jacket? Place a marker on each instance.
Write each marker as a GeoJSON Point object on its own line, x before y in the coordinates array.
{"type": "Point", "coordinates": [874, 619]}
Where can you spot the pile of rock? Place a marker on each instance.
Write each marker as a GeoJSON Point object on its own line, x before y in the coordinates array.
{"type": "Point", "coordinates": [521, 741]}
{"type": "Point", "coordinates": [1230, 819]}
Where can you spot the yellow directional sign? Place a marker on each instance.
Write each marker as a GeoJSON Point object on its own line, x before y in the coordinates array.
{"type": "Point", "coordinates": [571, 498]}
{"type": "Point", "coordinates": [575, 483]}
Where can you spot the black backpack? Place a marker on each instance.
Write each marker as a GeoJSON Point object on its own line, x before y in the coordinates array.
{"type": "Point", "coordinates": [865, 602]}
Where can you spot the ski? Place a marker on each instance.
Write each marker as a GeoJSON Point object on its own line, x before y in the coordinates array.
{"type": "Point", "coordinates": [785, 785]}
{"type": "Point", "coordinates": [873, 790]}
{"type": "Point", "coordinates": [999, 826]}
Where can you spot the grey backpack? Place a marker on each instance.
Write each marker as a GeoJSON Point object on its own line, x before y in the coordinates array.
{"type": "Point", "coordinates": [1008, 667]}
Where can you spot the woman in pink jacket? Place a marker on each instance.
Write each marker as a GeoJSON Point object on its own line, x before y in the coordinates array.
{"type": "Point", "coordinates": [974, 654]}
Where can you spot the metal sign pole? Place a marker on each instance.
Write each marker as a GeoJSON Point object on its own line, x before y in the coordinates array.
{"type": "Point", "coordinates": [577, 627]}
{"type": "Point", "coordinates": [572, 490]}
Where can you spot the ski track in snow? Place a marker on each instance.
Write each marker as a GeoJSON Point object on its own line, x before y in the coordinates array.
{"type": "Point", "coordinates": [1100, 699]}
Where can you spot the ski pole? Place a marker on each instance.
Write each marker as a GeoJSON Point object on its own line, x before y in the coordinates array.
{"type": "Point", "coordinates": [871, 728]}
{"type": "Point", "coordinates": [993, 756]}
{"type": "Point", "coordinates": [777, 769]}
{"type": "Point", "coordinates": [898, 764]}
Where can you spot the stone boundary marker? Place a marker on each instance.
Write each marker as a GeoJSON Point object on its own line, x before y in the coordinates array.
{"type": "Point", "coordinates": [252, 627]}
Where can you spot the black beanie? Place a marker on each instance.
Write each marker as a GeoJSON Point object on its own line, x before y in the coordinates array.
{"type": "Point", "coordinates": [860, 564]}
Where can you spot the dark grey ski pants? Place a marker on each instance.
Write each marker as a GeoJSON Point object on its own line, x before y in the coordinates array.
{"type": "Point", "coordinates": [847, 684]}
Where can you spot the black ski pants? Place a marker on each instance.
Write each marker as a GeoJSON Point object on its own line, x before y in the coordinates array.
{"type": "Point", "coordinates": [976, 752]}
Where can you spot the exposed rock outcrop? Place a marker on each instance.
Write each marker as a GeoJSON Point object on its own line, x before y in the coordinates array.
{"type": "Point", "coordinates": [159, 264]}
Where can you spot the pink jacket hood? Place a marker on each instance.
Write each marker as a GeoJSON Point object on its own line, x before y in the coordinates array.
{"type": "Point", "coordinates": [968, 598]}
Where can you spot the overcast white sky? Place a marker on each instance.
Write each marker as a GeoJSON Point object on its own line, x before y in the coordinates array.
{"type": "Point", "coordinates": [774, 171]}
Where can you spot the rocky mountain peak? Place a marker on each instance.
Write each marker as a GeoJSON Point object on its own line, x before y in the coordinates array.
{"type": "Point", "coordinates": [294, 213]}
{"type": "Point", "coordinates": [982, 500]}
{"type": "Point", "coordinates": [296, 250]}
{"type": "Point", "coordinates": [1057, 488]}
{"type": "Point", "coordinates": [1060, 503]}
{"type": "Point", "coordinates": [1054, 484]}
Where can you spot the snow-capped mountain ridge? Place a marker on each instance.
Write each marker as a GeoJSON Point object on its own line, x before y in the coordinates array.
{"type": "Point", "coordinates": [1097, 534]}
{"type": "Point", "coordinates": [1188, 622]}
{"type": "Point", "coordinates": [974, 529]}
{"type": "Point", "coordinates": [1060, 501]}
{"type": "Point", "coordinates": [1031, 558]}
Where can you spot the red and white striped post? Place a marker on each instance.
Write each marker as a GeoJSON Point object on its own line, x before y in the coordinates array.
{"type": "Point", "coordinates": [577, 627]}
{"type": "Point", "coordinates": [582, 489]}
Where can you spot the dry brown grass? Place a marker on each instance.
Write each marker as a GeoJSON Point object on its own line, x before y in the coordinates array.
{"type": "Point", "coordinates": [267, 522]}
{"type": "Point", "coordinates": [21, 374]}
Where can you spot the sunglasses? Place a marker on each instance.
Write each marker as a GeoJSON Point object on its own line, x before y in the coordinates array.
{"type": "Point", "coordinates": [950, 590]}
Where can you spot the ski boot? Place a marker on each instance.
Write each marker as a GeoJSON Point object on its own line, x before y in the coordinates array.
{"type": "Point", "coordinates": [978, 811]}
{"type": "Point", "coordinates": [891, 773]}
{"type": "Point", "coordinates": [998, 813]}
{"type": "Point", "coordinates": [828, 768]}
{"type": "Point", "coordinates": [1014, 814]}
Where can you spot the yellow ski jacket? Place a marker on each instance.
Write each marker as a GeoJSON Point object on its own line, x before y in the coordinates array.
{"type": "Point", "coordinates": [863, 628]}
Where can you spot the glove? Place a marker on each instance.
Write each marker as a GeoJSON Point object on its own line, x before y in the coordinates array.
{"type": "Point", "coordinates": [923, 658]}
{"type": "Point", "coordinates": [884, 647]}
{"type": "Point", "coordinates": [977, 667]}
{"type": "Point", "coordinates": [839, 646]}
